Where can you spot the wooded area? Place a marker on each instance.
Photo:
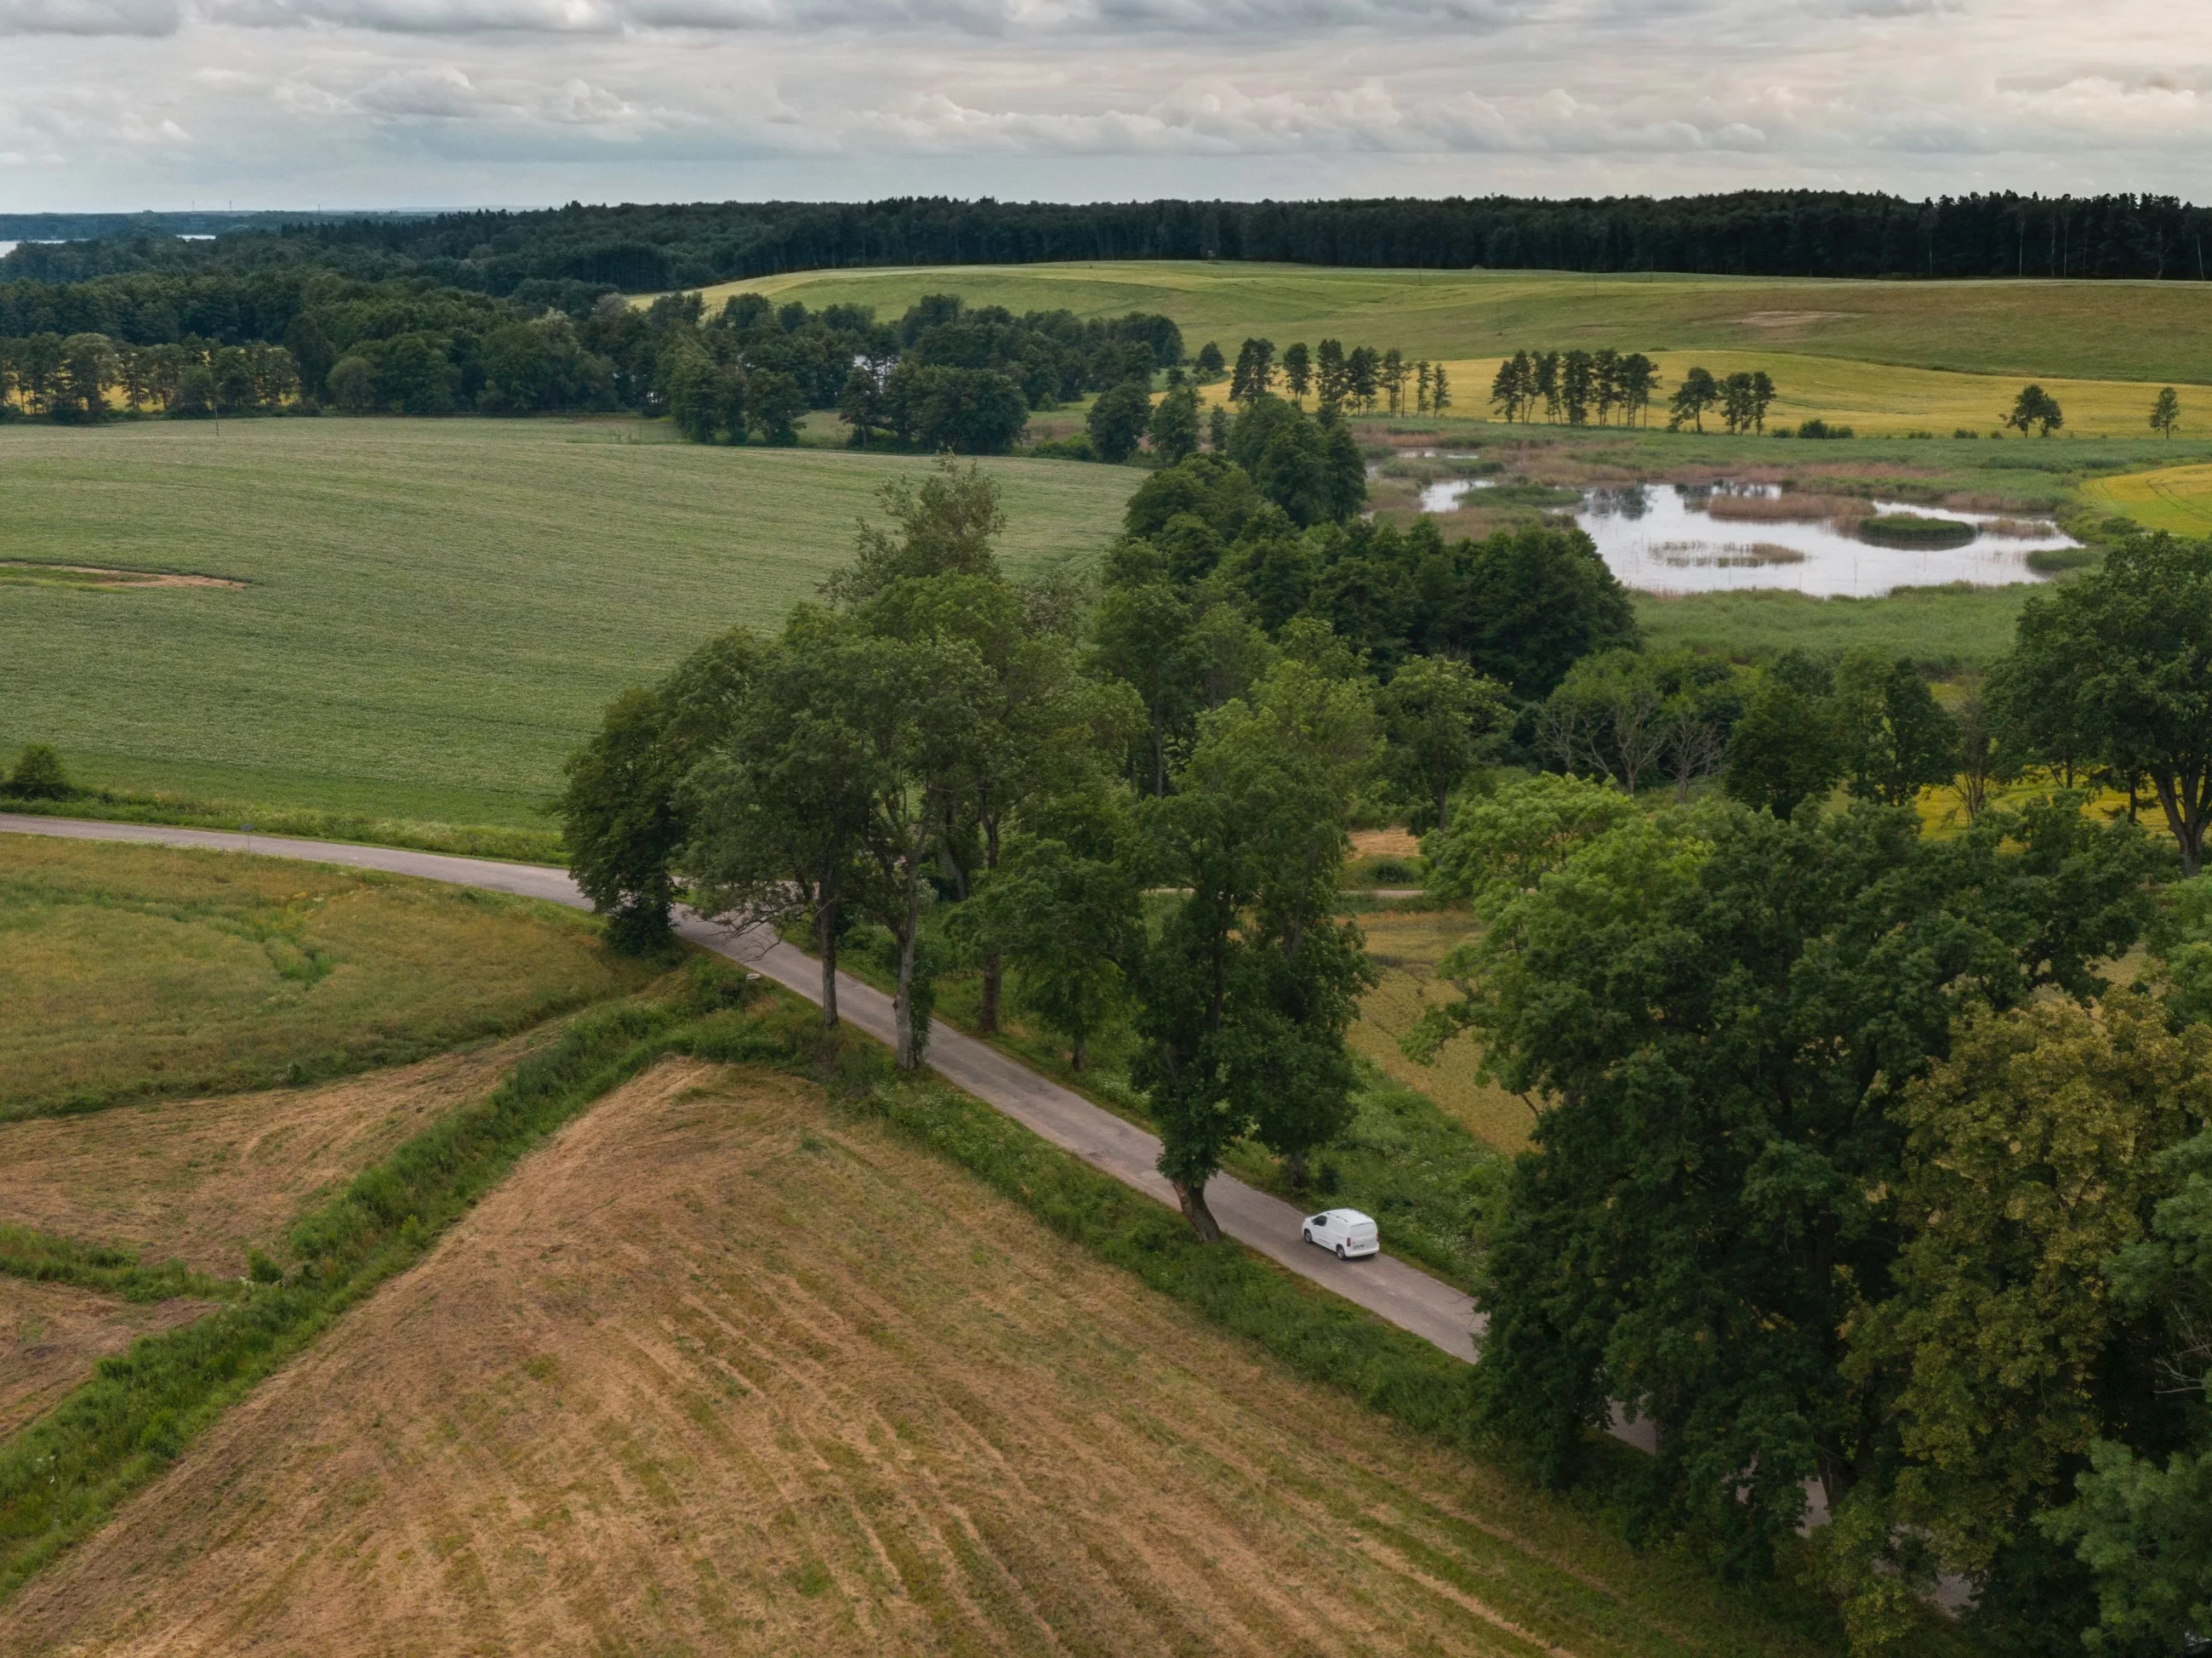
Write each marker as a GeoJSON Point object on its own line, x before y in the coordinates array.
{"type": "Point", "coordinates": [647, 248]}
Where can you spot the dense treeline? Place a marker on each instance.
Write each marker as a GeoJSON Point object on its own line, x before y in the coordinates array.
{"type": "Point", "coordinates": [1750, 232]}
{"type": "Point", "coordinates": [942, 376]}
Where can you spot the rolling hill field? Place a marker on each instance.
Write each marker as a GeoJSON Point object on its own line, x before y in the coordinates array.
{"type": "Point", "coordinates": [2135, 332]}
{"type": "Point", "coordinates": [722, 1368]}
{"type": "Point", "coordinates": [428, 614]}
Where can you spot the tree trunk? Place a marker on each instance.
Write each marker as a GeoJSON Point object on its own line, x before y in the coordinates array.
{"type": "Point", "coordinates": [1159, 760]}
{"type": "Point", "coordinates": [987, 1015]}
{"type": "Point", "coordinates": [825, 947]}
{"type": "Point", "coordinates": [908, 1049]}
{"type": "Point", "coordinates": [2187, 827]}
{"type": "Point", "coordinates": [986, 1012]}
{"type": "Point", "coordinates": [1079, 1054]}
{"type": "Point", "coordinates": [1294, 1165]}
{"type": "Point", "coordinates": [1444, 807]}
{"type": "Point", "coordinates": [1193, 1200]}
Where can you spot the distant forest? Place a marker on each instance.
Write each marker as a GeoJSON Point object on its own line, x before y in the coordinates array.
{"type": "Point", "coordinates": [1752, 232]}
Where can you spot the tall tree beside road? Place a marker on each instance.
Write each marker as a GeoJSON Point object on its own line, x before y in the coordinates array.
{"type": "Point", "coordinates": [1247, 992]}
{"type": "Point", "coordinates": [620, 823]}
{"type": "Point", "coordinates": [778, 803]}
{"type": "Point", "coordinates": [1064, 909]}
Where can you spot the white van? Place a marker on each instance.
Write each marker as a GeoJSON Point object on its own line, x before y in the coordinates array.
{"type": "Point", "coordinates": [1347, 1231]}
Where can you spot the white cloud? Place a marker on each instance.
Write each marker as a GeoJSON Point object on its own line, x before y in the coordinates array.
{"type": "Point", "coordinates": [424, 102]}
{"type": "Point", "coordinates": [149, 17]}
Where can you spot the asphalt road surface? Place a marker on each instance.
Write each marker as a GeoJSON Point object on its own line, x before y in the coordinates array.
{"type": "Point", "coordinates": [1387, 1287]}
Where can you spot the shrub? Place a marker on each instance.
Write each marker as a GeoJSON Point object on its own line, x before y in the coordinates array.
{"type": "Point", "coordinates": [1911, 530]}
{"type": "Point", "coordinates": [38, 775]}
{"type": "Point", "coordinates": [1820, 428]}
{"type": "Point", "coordinates": [1078, 447]}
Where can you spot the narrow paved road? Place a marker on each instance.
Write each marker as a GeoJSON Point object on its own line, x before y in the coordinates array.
{"type": "Point", "coordinates": [1408, 1298]}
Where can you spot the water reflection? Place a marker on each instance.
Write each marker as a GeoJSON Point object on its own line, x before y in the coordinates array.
{"type": "Point", "coordinates": [1681, 538]}
{"type": "Point", "coordinates": [1445, 497]}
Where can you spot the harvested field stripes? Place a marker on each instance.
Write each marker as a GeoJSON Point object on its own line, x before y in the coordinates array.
{"type": "Point", "coordinates": [727, 1367]}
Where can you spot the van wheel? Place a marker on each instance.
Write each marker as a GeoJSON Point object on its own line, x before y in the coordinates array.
{"type": "Point", "coordinates": [1340, 1252]}
{"type": "Point", "coordinates": [1306, 1232]}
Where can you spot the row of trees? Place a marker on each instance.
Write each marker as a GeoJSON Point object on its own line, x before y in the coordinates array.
{"type": "Point", "coordinates": [649, 248]}
{"type": "Point", "coordinates": [1362, 379]}
{"type": "Point", "coordinates": [976, 768]}
{"type": "Point", "coordinates": [1850, 1165]}
{"type": "Point", "coordinates": [1573, 385]}
{"type": "Point", "coordinates": [86, 377]}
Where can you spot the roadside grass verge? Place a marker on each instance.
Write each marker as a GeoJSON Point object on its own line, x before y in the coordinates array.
{"type": "Point", "coordinates": [499, 840]}
{"type": "Point", "coordinates": [130, 972]}
{"type": "Point", "coordinates": [1424, 1175]}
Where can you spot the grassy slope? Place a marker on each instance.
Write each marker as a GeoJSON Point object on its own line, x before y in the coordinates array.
{"type": "Point", "coordinates": [2178, 498]}
{"type": "Point", "coordinates": [436, 609]}
{"type": "Point", "coordinates": [2097, 331]}
{"type": "Point", "coordinates": [130, 972]}
{"type": "Point", "coordinates": [726, 1367]}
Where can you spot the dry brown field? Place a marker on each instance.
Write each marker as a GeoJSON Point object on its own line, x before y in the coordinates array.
{"type": "Point", "coordinates": [721, 1370]}
{"type": "Point", "coordinates": [51, 1334]}
{"type": "Point", "coordinates": [206, 1180]}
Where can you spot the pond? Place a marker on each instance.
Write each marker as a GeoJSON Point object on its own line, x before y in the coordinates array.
{"type": "Point", "coordinates": [1688, 538]}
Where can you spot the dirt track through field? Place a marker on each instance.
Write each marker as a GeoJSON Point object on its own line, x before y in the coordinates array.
{"type": "Point", "coordinates": [717, 1371]}
{"type": "Point", "coordinates": [206, 1180]}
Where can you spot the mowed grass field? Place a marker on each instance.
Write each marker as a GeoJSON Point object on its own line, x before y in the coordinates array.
{"type": "Point", "coordinates": [721, 1369]}
{"type": "Point", "coordinates": [2177, 498]}
{"type": "Point", "coordinates": [2082, 330]}
{"type": "Point", "coordinates": [434, 611]}
{"type": "Point", "coordinates": [1881, 399]}
{"type": "Point", "coordinates": [134, 972]}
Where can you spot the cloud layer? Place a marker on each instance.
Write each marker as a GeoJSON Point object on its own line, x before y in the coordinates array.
{"type": "Point", "coordinates": [128, 103]}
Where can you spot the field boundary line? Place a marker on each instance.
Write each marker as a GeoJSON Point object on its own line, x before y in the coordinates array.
{"type": "Point", "coordinates": [1390, 1288]}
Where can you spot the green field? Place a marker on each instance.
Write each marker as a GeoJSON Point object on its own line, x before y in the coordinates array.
{"type": "Point", "coordinates": [130, 972]}
{"type": "Point", "coordinates": [434, 611]}
{"type": "Point", "coordinates": [2155, 332]}
{"type": "Point", "coordinates": [2175, 498]}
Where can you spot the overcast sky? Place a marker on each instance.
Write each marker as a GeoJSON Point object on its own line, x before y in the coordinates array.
{"type": "Point", "coordinates": [124, 104]}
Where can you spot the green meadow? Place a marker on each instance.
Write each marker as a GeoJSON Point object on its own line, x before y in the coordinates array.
{"type": "Point", "coordinates": [433, 611]}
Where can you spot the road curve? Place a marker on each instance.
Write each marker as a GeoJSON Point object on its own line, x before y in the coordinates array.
{"type": "Point", "coordinates": [1387, 1287]}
